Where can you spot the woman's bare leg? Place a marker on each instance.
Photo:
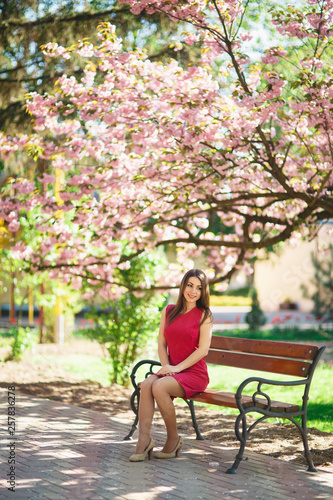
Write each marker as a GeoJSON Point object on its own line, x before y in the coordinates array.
{"type": "Point", "coordinates": [162, 390]}
{"type": "Point", "coordinates": [146, 413]}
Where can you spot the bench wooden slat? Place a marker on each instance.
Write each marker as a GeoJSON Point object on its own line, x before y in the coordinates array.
{"type": "Point", "coordinates": [268, 347]}
{"type": "Point", "coordinates": [221, 398]}
{"type": "Point", "coordinates": [260, 363]}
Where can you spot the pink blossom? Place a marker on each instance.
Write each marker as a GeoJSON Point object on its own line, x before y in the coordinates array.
{"type": "Point", "coordinates": [149, 154]}
{"type": "Point", "coordinates": [54, 50]}
{"type": "Point", "coordinates": [191, 38]}
{"type": "Point", "coordinates": [14, 226]}
{"type": "Point", "coordinates": [85, 50]}
{"type": "Point", "coordinates": [46, 179]}
{"type": "Point", "coordinates": [24, 186]}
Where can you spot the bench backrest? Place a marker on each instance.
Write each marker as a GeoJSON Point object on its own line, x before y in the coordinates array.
{"type": "Point", "coordinates": [263, 355]}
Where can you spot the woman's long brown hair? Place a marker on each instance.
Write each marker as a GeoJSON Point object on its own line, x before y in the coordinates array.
{"type": "Point", "coordinates": [202, 303]}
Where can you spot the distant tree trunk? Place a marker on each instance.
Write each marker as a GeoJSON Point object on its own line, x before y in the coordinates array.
{"type": "Point", "coordinates": [12, 312]}
{"type": "Point", "coordinates": [41, 317]}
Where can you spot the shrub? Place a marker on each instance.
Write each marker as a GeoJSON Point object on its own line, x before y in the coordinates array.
{"type": "Point", "coordinates": [255, 318]}
{"type": "Point", "coordinates": [125, 325]}
{"type": "Point", "coordinates": [23, 340]}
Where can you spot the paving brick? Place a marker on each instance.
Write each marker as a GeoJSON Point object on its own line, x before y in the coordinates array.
{"type": "Point", "coordinates": [52, 496]}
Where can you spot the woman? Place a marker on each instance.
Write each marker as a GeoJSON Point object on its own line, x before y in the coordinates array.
{"type": "Point", "coordinates": [183, 341]}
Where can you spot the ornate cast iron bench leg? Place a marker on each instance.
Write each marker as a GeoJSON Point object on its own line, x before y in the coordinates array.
{"type": "Point", "coordinates": [194, 419]}
{"type": "Point", "coordinates": [135, 407]}
{"type": "Point", "coordinates": [241, 436]}
{"type": "Point", "coordinates": [307, 451]}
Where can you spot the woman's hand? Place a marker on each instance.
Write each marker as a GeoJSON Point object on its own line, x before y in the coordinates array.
{"type": "Point", "coordinates": [167, 370]}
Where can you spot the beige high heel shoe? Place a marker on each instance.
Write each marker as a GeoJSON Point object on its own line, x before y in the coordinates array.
{"type": "Point", "coordinates": [139, 457]}
{"type": "Point", "coordinates": [175, 452]}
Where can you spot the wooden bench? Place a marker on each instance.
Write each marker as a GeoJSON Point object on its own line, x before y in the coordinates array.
{"type": "Point", "coordinates": [297, 360]}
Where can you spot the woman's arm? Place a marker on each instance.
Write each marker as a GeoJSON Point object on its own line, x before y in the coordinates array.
{"type": "Point", "coordinates": [162, 344]}
{"type": "Point", "coordinates": [205, 336]}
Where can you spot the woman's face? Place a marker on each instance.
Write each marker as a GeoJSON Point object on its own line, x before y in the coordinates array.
{"type": "Point", "coordinates": [192, 291]}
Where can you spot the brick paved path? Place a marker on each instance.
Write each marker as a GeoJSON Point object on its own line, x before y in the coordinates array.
{"type": "Point", "coordinates": [66, 452]}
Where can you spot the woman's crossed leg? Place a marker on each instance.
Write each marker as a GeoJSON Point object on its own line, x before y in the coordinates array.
{"type": "Point", "coordinates": [161, 390]}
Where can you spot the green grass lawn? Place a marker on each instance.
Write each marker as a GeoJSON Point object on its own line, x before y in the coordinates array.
{"type": "Point", "coordinates": [85, 366]}
{"type": "Point", "coordinates": [283, 334]}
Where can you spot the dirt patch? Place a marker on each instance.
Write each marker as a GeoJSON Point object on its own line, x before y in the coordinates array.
{"type": "Point", "coordinates": [49, 380]}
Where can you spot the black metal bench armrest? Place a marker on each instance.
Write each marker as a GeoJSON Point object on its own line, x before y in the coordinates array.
{"type": "Point", "coordinates": [149, 362]}
{"type": "Point", "coordinates": [259, 393]}
{"type": "Point", "coordinates": [267, 381]}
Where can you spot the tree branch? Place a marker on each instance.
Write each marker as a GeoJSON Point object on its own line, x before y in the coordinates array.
{"type": "Point", "coordinates": [51, 19]}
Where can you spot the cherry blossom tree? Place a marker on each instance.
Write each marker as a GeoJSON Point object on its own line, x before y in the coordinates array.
{"type": "Point", "coordinates": [217, 160]}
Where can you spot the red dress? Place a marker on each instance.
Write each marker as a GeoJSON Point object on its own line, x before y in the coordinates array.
{"type": "Point", "coordinates": [182, 338]}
